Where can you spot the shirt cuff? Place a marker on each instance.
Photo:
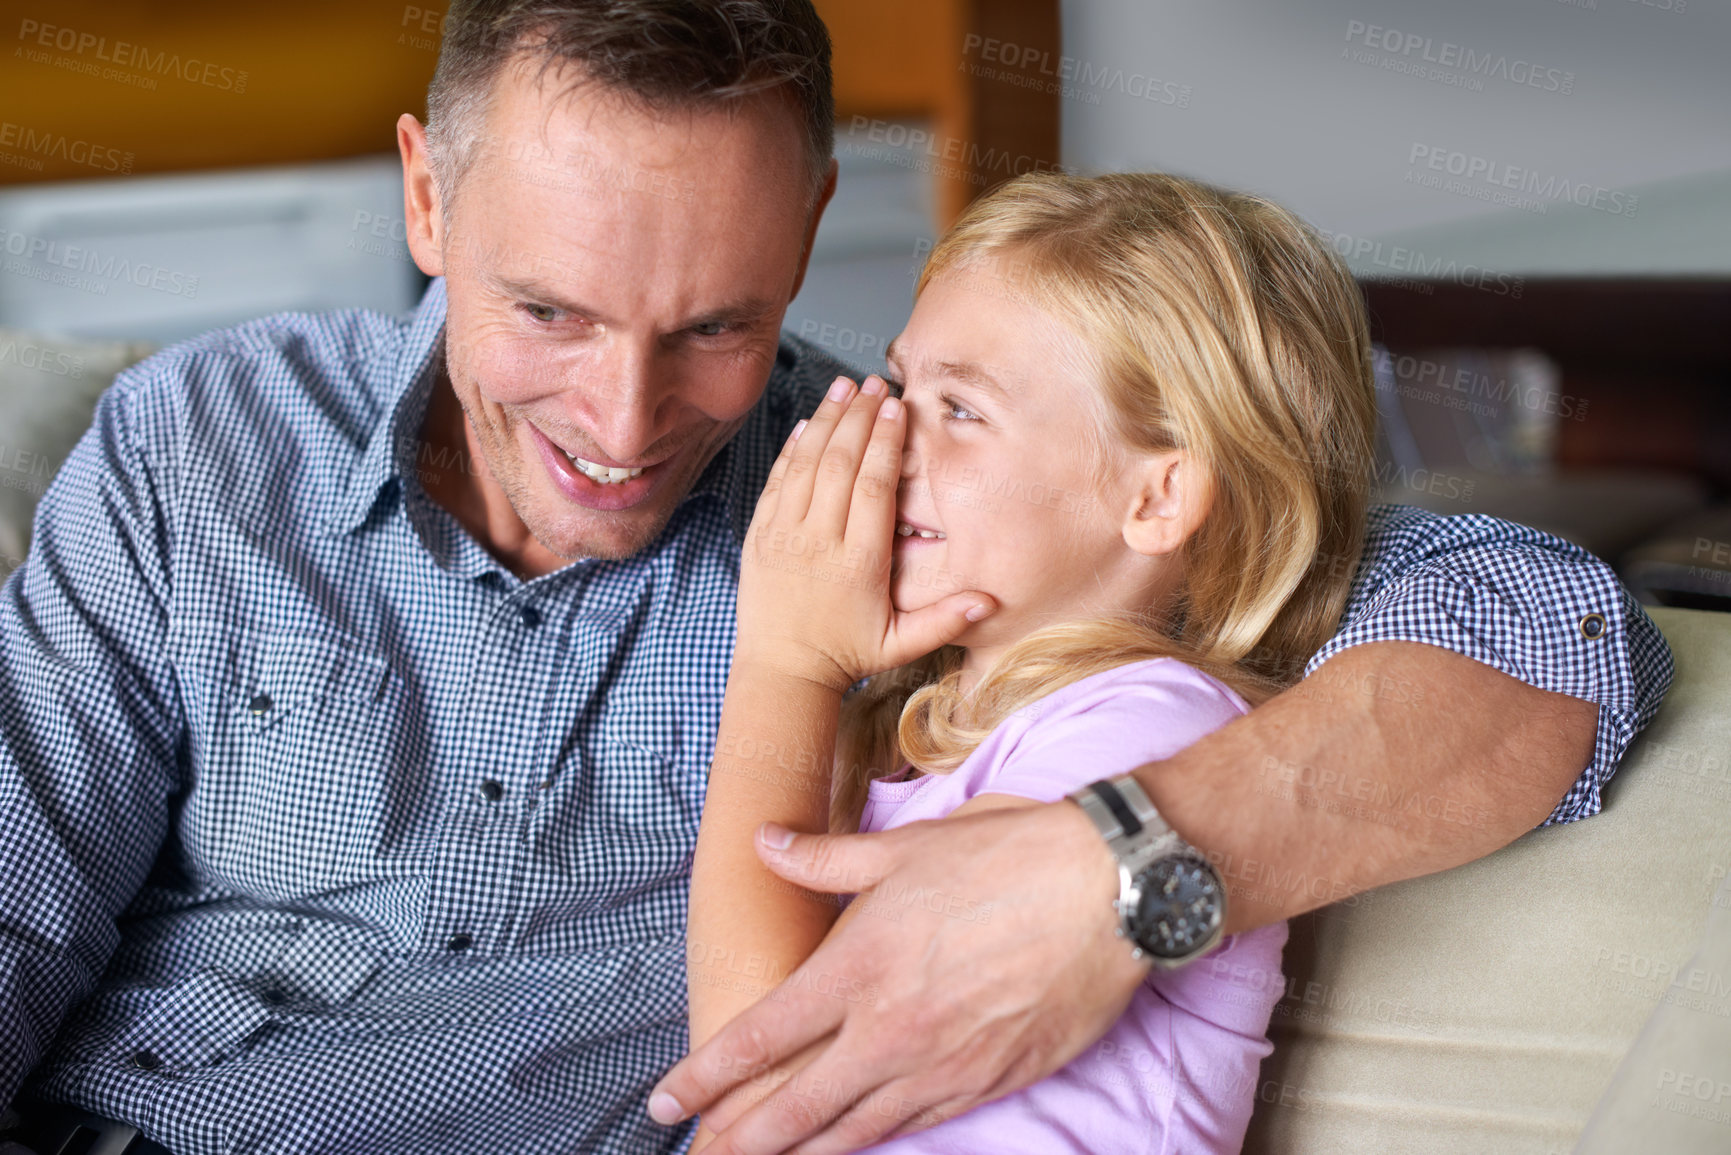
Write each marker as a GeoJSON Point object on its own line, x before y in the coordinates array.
{"type": "Point", "coordinates": [1560, 624]}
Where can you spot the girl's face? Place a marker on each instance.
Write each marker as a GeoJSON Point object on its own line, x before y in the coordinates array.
{"type": "Point", "coordinates": [995, 477]}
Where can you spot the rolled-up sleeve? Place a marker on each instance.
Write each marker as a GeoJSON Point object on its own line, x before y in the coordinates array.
{"type": "Point", "coordinates": [1524, 602]}
{"type": "Point", "coordinates": [88, 727]}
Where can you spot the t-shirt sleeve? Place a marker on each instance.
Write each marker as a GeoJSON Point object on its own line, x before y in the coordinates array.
{"type": "Point", "coordinates": [1110, 725]}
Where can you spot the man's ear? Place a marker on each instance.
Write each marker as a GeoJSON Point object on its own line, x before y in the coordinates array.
{"type": "Point", "coordinates": [1168, 503]}
{"type": "Point", "coordinates": [423, 214]}
{"type": "Point", "coordinates": [823, 198]}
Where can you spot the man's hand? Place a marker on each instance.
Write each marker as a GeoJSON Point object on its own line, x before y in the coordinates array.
{"type": "Point", "coordinates": [989, 938]}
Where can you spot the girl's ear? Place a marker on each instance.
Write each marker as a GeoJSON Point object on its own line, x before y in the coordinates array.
{"type": "Point", "coordinates": [1171, 496]}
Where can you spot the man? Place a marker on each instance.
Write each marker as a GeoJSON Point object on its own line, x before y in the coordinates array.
{"type": "Point", "coordinates": [368, 670]}
{"type": "Point", "coordinates": [356, 696]}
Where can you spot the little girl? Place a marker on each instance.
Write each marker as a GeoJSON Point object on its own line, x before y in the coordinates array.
{"type": "Point", "coordinates": [1123, 476]}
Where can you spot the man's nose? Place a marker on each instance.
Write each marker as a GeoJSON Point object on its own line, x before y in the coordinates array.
{"type": "Point", "coordinates": [626, 403]}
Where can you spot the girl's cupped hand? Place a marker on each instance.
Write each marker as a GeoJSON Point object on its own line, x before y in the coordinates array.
{"type": "Point", "coordinates": [814, 583]}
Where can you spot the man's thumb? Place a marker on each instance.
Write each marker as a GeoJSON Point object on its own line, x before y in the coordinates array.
{"type": "Point", "coordinates": [834, 863]}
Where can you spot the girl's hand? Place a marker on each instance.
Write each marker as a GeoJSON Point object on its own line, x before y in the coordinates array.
{"type": "Point", "coordinates": [815, 575]}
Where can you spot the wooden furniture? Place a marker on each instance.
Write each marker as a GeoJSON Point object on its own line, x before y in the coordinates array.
{"type": "Point", "coordinates": [104, 88]}
{"type": "Point", "coordinates": [1650, 357]}
{"type": "Point", "coordinates": [983, 73]}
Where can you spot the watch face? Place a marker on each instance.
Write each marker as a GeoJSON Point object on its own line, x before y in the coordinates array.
{"type": "Point", "coordinates": [1179, 908]}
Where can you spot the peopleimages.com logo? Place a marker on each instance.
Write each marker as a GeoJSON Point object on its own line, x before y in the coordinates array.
{"type": "Point", "coordinates": [1411, 51]}
{"type": "Point", "coordinates": [1528, 188]}
{"type": "Point", "coordinates": [39, 38]}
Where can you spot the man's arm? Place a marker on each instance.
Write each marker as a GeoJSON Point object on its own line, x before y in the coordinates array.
{"type": "Point", "coordinates": [88, 728]}
{"type": "Point", "coordinates": [1448, 759]}
{"type": "Point", "coordinates": [1333, 788]}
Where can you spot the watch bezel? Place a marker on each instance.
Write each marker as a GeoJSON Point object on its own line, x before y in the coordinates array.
{"type": "Point", "coordinates": [1140, 935]}
{"type": "Point", "coordinates": [1140, 841]}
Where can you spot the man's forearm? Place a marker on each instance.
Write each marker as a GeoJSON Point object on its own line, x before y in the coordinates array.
{"type": "Point", "coordinates": [1392, 760]}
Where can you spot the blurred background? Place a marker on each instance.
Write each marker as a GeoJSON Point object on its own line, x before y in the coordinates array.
{"type": "Point", "coordinates": [1536, 195]}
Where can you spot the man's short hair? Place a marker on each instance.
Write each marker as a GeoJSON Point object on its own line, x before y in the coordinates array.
{"type": "Point", "coordinates": [669, 54]}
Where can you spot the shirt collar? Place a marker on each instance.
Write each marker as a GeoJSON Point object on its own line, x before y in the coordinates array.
{"type": "Point", "coordinates": [397, 432]}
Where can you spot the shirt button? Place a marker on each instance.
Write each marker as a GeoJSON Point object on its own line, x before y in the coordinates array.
{"type": "Point", "coordinates": [1593, 627]}
{"type": "Point", "coordinates": [530, 615]}
{"type": "Point", "coordinates": [459, 942]}
{"type": "Point", "coordinates": [492, 791]}
{"type": "Point", "coordinates": [260, 704]}
{"type": "Point", "coordinates": [145, 1061]}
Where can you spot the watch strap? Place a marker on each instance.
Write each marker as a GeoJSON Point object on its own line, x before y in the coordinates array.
{"type": "Point", "coordinates": [1129, 822]}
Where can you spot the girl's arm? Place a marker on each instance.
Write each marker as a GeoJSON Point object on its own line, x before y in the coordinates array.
{"type": "Point", "coordinates": [814, 617]}
{"type": "Point", "coordinates": [748, 928]}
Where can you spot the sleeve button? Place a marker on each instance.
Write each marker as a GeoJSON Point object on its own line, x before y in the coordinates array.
{"type": "Point", "coordinates": [492, 791]}
{"type": "Point", "coordinates": [145, 1061]}
{"type": "Point", "coordinates": [1593, 627]}
{"type": "Point", "coordinates": [260, 704]}
{"type": "Point", "coordinates": [459, 942]}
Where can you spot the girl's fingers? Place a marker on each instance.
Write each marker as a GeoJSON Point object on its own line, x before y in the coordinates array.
{"type": "Point", "coordinates": [916, 632]}
{"type": "Point", "coordinates": [768, 502]}
{"type": "Point", "coordinates": [872, 521]}
{"type": "Point", "coordinates": [800, 477]}
{"type": "Point", "coordinates": [839, 467]}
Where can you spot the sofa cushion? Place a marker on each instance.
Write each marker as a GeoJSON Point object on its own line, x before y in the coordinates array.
{"type": "Point", "coordinates": [48, 390]}
{"type": "Point", "coordinates": [1486, 1008]}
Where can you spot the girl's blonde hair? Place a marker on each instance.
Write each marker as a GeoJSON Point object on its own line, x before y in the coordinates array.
{"type": "Point", "coordinates": [1220, 324]}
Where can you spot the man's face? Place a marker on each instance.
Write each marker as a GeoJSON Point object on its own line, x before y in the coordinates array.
{"type": "Point", "coordinates": [616, 280]}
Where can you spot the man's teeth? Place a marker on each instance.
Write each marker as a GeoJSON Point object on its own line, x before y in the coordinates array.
{"type": "Point", "coordinates": [903, 529]}
{"type": "Point", "coordinates": [603, 474]}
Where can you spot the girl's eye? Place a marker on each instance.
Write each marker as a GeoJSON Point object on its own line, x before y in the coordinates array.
{"type": "Point", "coordinates": [543, 313]}
{"type": "Point", "coordinates": [954, 411]}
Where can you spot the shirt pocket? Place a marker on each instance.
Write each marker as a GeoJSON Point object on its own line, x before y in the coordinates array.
{"type": "Point", "coordinates": [651, 767]}
{"type": "Point", "coordinates": [206, 1018]}
{"type": "Point", "coordinates": [286, 785]}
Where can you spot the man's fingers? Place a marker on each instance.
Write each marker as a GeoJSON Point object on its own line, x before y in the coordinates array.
{"type": "Point", "coordinates": [895, 1108]}
{"type": "Point", "coordinates": [834, 863]}
{"type": "Point", "coordinates": [793, 1016]}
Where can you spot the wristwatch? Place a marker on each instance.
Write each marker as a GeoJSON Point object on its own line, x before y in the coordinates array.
{"type": "Point", "coordinates": [1171, 902]}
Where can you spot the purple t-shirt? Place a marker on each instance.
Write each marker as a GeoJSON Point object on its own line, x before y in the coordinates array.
{"type": "Point", "coordinates": [1177, 1073]}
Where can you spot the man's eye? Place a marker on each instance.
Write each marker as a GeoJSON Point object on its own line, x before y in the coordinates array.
{"type": "Point", "coordinates": [710, 328]}
{"type": "Point", "coordinates": [543, 313]}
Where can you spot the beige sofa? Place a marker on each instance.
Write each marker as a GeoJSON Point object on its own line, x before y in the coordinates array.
{"type": "Point", "coordinates": [1487, 1008]}
{"type": "Point", "coordinates": [1482, 1010]}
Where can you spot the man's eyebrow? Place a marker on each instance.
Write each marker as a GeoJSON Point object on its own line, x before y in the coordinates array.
{"type": "Point", "coordinates": [967, 372]}
{"type": "Point", "coordinates": [736, 312]}
{"type": "Point", "coordinates": [532, 290]}
{"type": "Point", "coordinates": [744, 310]}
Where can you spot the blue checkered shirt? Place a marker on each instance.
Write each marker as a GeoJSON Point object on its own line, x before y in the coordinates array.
{"type": "Point", "coordinates": [322, 832]}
